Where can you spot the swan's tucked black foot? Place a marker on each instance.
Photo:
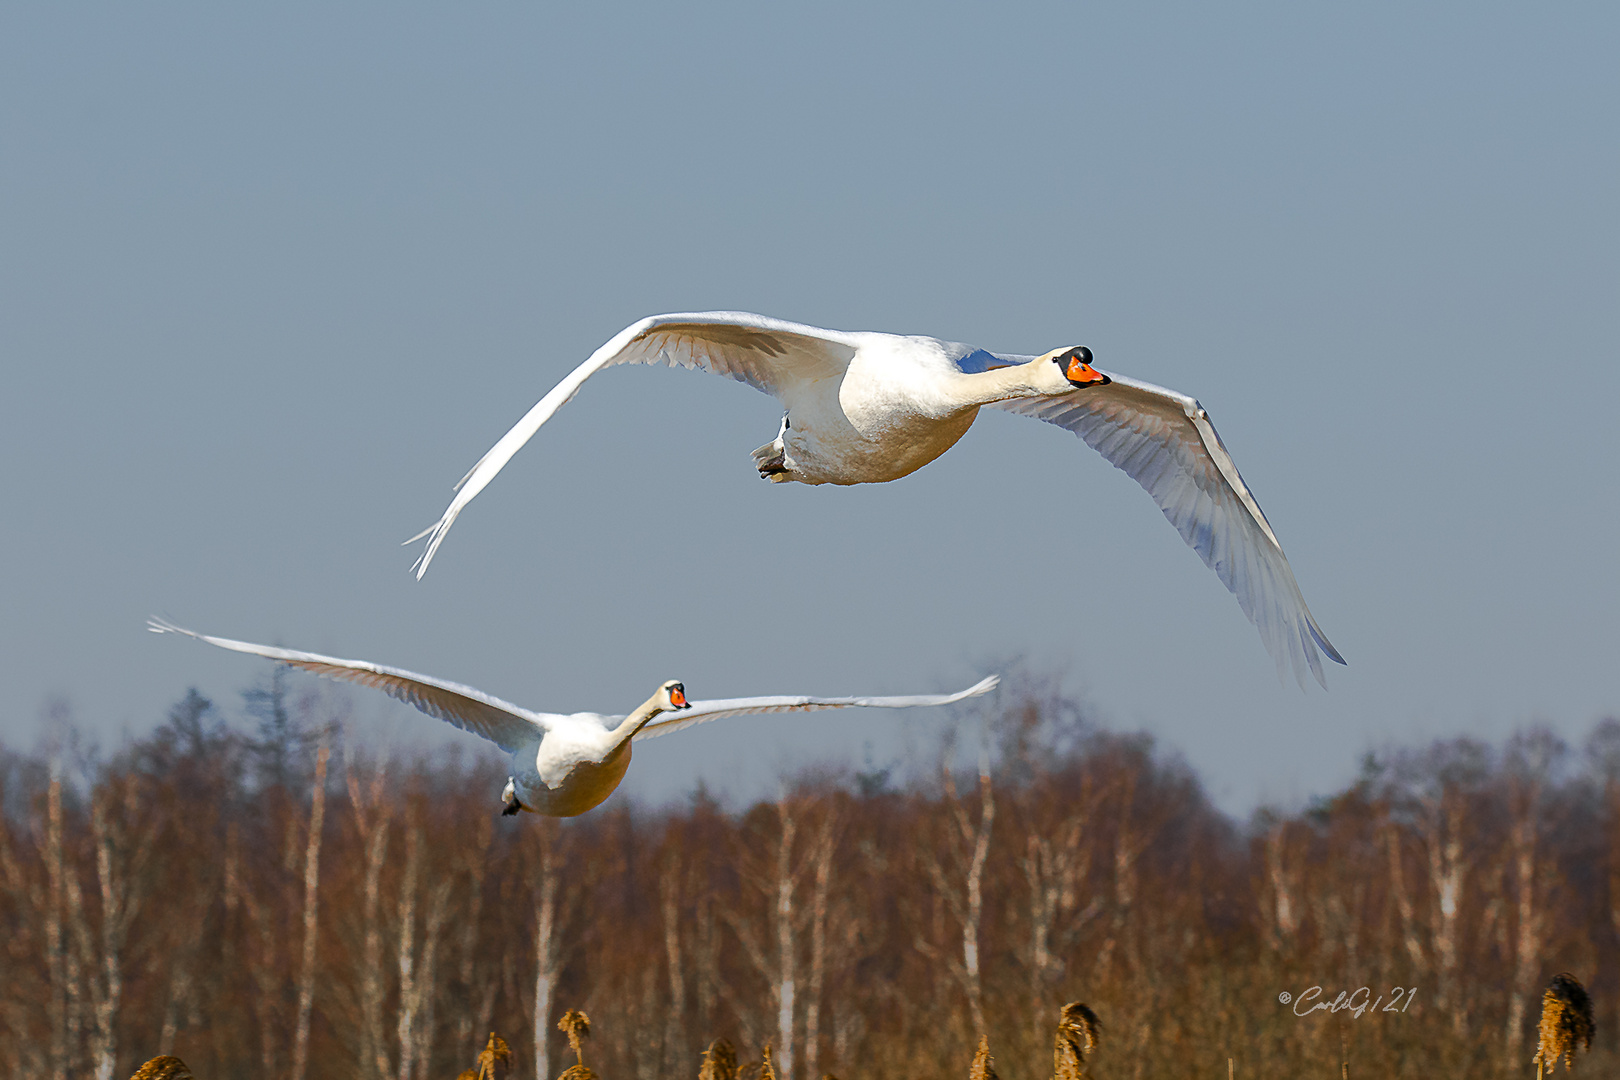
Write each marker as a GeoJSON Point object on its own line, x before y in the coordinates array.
{"type": "Point", "coordinates": [509, 797]}
{"type": "Point", "coordinates": [771, 459]}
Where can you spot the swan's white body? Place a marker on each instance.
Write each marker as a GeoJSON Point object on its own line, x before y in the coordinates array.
{"type": "Point", "coordinates": [866, 408]}
{"type": "Point", "coordinates": [562, 764]}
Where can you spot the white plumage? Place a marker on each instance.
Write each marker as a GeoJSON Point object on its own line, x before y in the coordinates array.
{"type": "Point", "coordinates": [869, 407]}
{"type": "Point", "coordinates": [563, 764]}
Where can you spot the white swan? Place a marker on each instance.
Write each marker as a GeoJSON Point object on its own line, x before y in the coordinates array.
{"type": "Point", "coordinates": [562, 764]}
{"type": "Point", "coordinates": [864, 408]}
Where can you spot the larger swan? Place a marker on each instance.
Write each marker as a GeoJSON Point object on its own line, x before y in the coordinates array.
{"type": "Point", "coordinates": [866, 407]}
{"type": "Point", "coordinates": [562, 764]}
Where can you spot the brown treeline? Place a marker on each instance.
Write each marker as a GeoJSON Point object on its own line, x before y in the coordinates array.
{"type": "Point", "coordinates": [272, 900]}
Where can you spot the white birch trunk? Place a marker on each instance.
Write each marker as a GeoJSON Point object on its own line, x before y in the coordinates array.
{"type": "Point", "coordinates": [372, 823]}
{"type": "Point", "coordinates": [546, 962]}
{"type": "Point", "coordinates": [405, 1022]}
{"type": "Point", "coordinates": [55, 952]}
{"type": "Point", "coordinates": [975, 897]}
{"type": "Point", "coordinates": [312, 879]}
{"type": "Point", "coordinates": [818, 946]}
{"type": "Point", "coordinates": [1528, 939]}
{"type": "Point", "coordinates": [432, 930]}
{"type": "Point", "coordinates": [784, 942]}
{"type": "Point", "coordinates": [1448, 872]}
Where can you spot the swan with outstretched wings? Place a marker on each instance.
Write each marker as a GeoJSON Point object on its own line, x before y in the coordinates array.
{"type": "Point", "coordinates": [563, 764]}
{"type": "Point", "coordinates": [865, 408]}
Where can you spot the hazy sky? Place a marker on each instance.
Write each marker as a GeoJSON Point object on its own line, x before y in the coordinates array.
{"type": "Point", "coordinates": [271, 280]}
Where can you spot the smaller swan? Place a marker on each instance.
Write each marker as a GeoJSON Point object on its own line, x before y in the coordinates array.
{"type": "Point", "coordinates": [562, 764]}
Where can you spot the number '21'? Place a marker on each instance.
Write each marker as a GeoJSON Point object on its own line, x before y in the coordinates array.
{"type": "Point", "coordinates": [1396, 994]}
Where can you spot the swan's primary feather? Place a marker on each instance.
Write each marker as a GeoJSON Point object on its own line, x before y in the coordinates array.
{"type": "Point", "coordinates": [702, 711]}
{"type": "Point", "coordinates": [502, 723]}
{"type": "Point", "coordinates": [763, 352]}
{"type": "Point", "coordinates": [1165, 442]}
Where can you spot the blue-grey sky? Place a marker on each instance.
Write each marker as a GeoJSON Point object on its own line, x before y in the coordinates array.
{"type": "Point", "coordinates": [273, 278]}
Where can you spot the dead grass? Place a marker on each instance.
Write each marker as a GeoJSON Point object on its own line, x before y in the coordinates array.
{"type": "Point", "coordinates": [1566, 1023]}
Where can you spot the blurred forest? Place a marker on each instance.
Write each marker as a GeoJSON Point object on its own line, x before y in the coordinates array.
{"type": "Point", "coordinates": [267, 898]}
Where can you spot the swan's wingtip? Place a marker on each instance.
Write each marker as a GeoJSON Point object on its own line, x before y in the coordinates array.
{"type": "Point", "coordinates": [419, 567]}
{"type": "Point", "coordinates": [983, 686]}
{"type": "Point", "coordinates": [435, 534]}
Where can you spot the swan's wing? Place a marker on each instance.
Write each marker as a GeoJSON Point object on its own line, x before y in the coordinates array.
{"type": "Point", "coordinates": [767, 354]}
{"type": "Point", "coordinates": [701, 711]}
{"type": "Point", "coordinates": [507, 726]}
{"type": "Point", "coordinates": [1165, 442]}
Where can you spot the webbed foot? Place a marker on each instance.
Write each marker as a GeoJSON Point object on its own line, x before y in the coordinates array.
{"type": "Point", "coordinates": [771, 459]}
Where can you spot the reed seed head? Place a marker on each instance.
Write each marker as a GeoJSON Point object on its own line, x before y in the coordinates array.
{"type": "Point", "coordinates": [1566, 1022]}
{"type": "Point", "coordinates": [1077, 1034]}
{"type": "Point", "coordinates": [719, 1062]}
{"type": "Point", "coordinates": [577, 1026]}
{"type": "Point", "coordinates": [494, 1061]}
{"type": "Point", "coordinates": [167, 1067]}
{"type": "Point", "coordinates": [767, 1071]}
{"type": "Point", "coordinates": [983, 1064]}
{"type": "Point", "coordinates": [577, 1072]}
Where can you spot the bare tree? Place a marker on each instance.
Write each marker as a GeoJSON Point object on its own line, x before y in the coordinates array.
{"type": "Point", "coordinates": [312, 880]}
{"type": "Point", "coordinates": [55, 947]}
{"type": "Point", "coordinates": [822, 864]}
{"type": "Point", "coordinates": [1531, 760]}
{"type": "Point", "coordinates": [370, 811]}
{"type": "Point", "coordinates": [969, 849]}
{"type": "Point", "coordinates": [669, 891]}
{"type": "Point", "coordinates": [778, 965]}
{"type": "Point", "coordinates": [473, 1017]}
{"type": "Point", "coordinates": [548, 953]}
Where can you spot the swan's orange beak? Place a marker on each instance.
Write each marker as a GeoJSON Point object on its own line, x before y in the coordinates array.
{"type": "Point", "coordinates": [677, 697]}
{"type": "Point", "coordinates": [1081, 373]}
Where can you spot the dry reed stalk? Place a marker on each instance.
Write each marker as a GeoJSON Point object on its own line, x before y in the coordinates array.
{"type": "Point", "coordinates": [719, 1062]}
{"type": "Point", "coordinates": [767, 1071]}
{"type": "Point", "coordinates": [983, 1067]}
{"type": "Point", "coordinates": [493, 1062]}
{"type": "Point", "coordinates": [577, 1026]}
{"type": "Point", "coordinates": [166, 1067]}
{"type": "Point", "coordinates": [1566, 1022]}
{"type": "Point", "coordinates": [1077, 1035]}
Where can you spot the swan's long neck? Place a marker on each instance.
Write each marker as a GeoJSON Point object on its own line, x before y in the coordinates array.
{"type": "Point", "coordinates": [1037, 378]}
{"type": "Point", "coordinates": [637, 720]}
